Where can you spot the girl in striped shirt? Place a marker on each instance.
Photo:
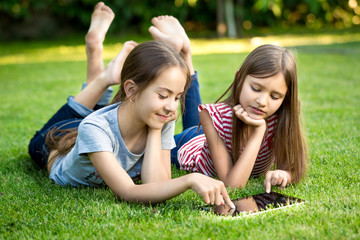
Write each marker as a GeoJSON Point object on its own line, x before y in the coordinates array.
{"type": "Point", "coordinates": [255, 131]}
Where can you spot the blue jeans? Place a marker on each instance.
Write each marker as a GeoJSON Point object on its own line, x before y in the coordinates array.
{"type": "Point", "coordinates": [190, 119]}
{"type": "Point", "coordinates": [68, 116]}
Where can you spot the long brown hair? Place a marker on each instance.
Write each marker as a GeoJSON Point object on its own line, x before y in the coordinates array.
{"type": "Point", "coordinates": [143, 65]}
{"type": "Point", "coordinates": [289, 146]}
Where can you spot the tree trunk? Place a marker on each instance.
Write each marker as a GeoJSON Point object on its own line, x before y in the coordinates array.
{"type": "Point", "coordinates": [230, 18]}
{"type": "Point", "coordinates": [239, 13]}
{"type": "Point", "coordinates": [220, 18]}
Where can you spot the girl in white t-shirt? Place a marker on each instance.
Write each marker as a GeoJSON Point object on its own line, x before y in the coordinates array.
{"type": "Point", "coordinates": [131, 138]}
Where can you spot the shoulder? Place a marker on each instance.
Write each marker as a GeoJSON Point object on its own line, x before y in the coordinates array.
{"type": "Point", "coordinates": [167, 135]}
{"type": "Point", "coordinates": [216, 108]}
{"type": "Point", "coordinates": [101, 118]}
{"type": "Point", "coordinates": [99, 125]}
{"type": "Point", "coordinates": [220, 116]}
{"type": "Point", "coordinates": [168, 129]}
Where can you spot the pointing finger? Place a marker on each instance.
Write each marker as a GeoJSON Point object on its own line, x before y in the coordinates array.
{"type": "Point", "coordinates": [267, 184]}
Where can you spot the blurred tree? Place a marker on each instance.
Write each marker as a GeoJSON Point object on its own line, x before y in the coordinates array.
{"type": "Point", "coordinates": [221, 27]}
{"type": "Point", "coordinates": [47, 18]}
{"type": "Point", "coordinates": [239, 13]}
{"type": "Point", "coordinates": [226, 22]}
{"type": "Point", "coordinates": [230, 18]}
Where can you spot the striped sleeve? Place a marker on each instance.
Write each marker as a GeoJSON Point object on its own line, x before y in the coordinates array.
{"type": "Point", "coordinates": [221, 116]}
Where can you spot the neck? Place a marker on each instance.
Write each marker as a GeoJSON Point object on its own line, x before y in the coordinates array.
{"type": "Point", "coordinates": [133, 130]}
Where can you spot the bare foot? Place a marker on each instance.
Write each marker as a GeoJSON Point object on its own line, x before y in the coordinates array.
{"type": "Point", "coordinates": [169, 30]}
{"type": "Point", "coordinates": [101, 19]}
{"type": "Point", "coordinates": [112, 71]}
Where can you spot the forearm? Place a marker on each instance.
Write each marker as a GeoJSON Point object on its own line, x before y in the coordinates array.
{"type": "Point", "coordinates": [123, 187]}
{"type": "Point", "coordinates": [239, 174]}
{"type": "Point", "coordinates": [154, 167]}
{"type": "Point", "coordinates": [156, 192]}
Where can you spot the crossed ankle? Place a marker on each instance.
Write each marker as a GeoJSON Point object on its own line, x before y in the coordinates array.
{"type": "Point", "coordinates": [93, 39]}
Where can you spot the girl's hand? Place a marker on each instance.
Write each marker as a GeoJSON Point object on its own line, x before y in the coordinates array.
{"type": "Point", "coordinates": [277, 177]}
{"type": "Point", "coordinates": [212, 191]}
{"type": "Point", "coordinates": [244, 116]}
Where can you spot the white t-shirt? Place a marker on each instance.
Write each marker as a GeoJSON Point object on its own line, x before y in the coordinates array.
{"type": "Point", "coordinates": [99, 132]}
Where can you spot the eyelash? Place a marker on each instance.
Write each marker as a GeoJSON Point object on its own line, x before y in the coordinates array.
{"type": "Point", "coordinates": [164, 97]}
{"type": "Point", "coordinates": [258, 90]}
{"type": "Point", "coordinates": [255, 89]}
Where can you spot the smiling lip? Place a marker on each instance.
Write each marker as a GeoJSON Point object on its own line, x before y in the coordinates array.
{"type": "Point", "coordinates": [163, 117]}
{"type": "Point", "coordinates": [257, 111]}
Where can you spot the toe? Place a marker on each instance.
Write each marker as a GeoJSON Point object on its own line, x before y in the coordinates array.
{"type": "Point", "coordinates": [99, 5]}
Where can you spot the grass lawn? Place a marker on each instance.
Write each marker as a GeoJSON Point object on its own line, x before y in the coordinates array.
{"type": "Point", "coordinates": [36, 78]}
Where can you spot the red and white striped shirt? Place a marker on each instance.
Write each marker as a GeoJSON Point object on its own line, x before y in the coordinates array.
{"type": "Point", "coordinates": [195, 155]}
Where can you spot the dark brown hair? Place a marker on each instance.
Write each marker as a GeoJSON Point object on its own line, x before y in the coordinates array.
{"type": "Point", "coordinates": [143, 65]}
{"type": "Point", "coordinates": [289, 146]}
{"type": "Point", "coordinates": [146, 62]}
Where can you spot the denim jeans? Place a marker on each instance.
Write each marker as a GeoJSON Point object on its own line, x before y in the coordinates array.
{"type": "Point", "coordinates": [190, 119]}
{"type": "Point", "coordinates": [68, 116]}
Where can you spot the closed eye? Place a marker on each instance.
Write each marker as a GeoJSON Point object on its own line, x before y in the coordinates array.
{"type": "Point", "coordinates": [178, 98]}
{"type": "Point", "coordinates": [255, 89]}
{"type": "Point", "coordinates": [162, 96]}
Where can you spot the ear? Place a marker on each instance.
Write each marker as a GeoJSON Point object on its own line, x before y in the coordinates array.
{"type": "Point", "coordinates": [130, 88]}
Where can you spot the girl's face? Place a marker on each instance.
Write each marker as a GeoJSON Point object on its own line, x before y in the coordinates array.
{"type": "Point", "coordinates": [157, 104]}
{"type": "Point", "coordinates": [262, 97]}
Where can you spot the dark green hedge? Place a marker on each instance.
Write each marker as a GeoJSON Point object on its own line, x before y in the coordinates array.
{"type": "Point", "coordinates": [44, 18]}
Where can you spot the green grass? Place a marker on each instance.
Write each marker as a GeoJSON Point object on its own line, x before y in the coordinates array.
{"type": "Point", "coordinates": [36, 78]}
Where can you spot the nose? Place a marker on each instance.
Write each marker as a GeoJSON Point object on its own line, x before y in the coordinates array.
{"type": "Point", "coordinates": [171, 106]}
{"type": "Point", "coordinates": [261, 100]}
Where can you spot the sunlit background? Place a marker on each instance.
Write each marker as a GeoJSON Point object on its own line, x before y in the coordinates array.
{"type": "Point", "coordinates": [25, 19]}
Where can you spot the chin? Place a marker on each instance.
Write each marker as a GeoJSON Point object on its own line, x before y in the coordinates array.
{"type": "Point", "coordinates": [156, 126]}
{"type": "Point", "coordinates": [256, 117]}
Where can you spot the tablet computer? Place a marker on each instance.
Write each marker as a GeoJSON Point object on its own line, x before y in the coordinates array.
{"type": "Point", "coordinates": [254, 204]}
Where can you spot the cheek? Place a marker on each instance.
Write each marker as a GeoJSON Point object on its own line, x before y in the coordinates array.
{"type": "Point", "coordinates": [244, 96]}
{"type": "Point", "coordinates": [275, 107]}
{"type": "Point", "coordinates": [153, 104]}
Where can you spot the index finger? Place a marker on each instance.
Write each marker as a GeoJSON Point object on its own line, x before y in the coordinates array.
{"type": "Point", "coordinates": [237, 107]}
{"type": "Point", "coordinates": [227, 198]}
{"type": "Point", "coordinates": [229, 203]}
{"type": "Point", "coordinates": [267, 184]}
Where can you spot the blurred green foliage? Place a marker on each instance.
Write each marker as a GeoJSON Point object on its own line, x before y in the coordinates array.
{"type": "Point", "coordinates": [44, 18]}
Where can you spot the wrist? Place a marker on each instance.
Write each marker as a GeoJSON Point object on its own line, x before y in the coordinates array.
{"type": "Point", "coordinates": [154, 132]}
{"type": "Point", "coordinates": [189, 180]}
{"type": "Point", "coordinates": [260, 129]}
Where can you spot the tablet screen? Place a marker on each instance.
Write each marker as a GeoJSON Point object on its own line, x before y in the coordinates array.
{"type": "Point", "coordinates": [255, 203]}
